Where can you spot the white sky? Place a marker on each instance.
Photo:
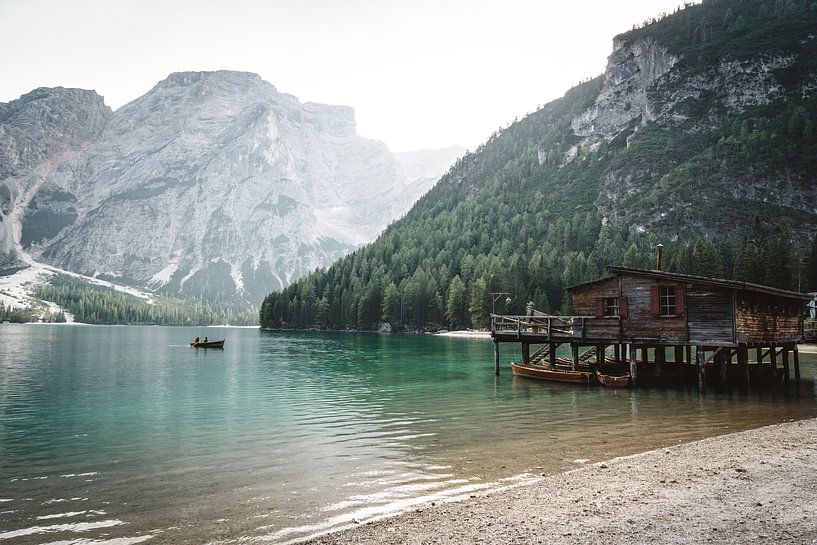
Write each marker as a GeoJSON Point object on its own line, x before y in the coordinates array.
{"type": "Point", "coordinates": [419, 73]}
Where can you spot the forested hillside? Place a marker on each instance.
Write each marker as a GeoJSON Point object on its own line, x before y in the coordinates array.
{"type": "Point", "coordinates": [699, 135]}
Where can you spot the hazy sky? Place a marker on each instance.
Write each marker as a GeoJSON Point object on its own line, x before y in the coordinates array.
{"type": "Point", "coordinates": [419, 73]}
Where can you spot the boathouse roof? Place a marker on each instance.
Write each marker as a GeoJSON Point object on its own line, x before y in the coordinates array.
{"type": "Point", "coordinates": [714, 282]}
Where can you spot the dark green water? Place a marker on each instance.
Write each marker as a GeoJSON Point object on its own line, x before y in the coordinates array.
{"type": "Point", "coordinates": [125, 434]}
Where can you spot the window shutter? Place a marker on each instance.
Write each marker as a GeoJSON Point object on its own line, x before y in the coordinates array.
{"type": "Point", "coordinates": [622, 307]}
{"type": "Point", "coordinates": [599, 311]}
{"type": "Point", "coordinates": [679, 301]}
{"type": "Point", "coordinates": [655, 302]}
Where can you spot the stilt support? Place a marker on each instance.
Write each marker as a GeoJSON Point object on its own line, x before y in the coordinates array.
{"type": "Point", "coordinates": [796, 365]}
{"type": "Point", "coordinates": [496, 358]}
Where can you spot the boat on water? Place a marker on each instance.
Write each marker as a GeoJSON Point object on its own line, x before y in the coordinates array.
{"type": "Point", "coordinates": [544, 372]}
{"type": "Point", "coordinates": [208, 344]}
{"type": "Point", "coordinates": [613, 381]}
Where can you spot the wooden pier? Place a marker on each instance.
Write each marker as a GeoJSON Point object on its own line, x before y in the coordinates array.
{"type": "Point", "coordinates": [659, 327]}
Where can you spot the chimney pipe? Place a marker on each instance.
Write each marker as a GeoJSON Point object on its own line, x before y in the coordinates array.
{"type": "Point", "coordinates": [659, 254]}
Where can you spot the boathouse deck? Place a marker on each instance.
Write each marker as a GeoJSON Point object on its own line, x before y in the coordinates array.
{"type": "Point", "coordinates": [660, 325]}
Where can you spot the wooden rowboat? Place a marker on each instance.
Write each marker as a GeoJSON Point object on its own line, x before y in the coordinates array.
{"type": "Point", "coordinates": [542, 372]}
{"type": "Point", "coordinates": [208, 344]}
{"type": "Point", "coordinates": [612, 381]}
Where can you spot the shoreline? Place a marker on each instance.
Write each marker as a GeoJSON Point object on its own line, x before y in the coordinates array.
{"type": "Point", "coordinates": [736, 488]}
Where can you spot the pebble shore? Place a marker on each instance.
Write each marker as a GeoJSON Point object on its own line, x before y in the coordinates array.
{"type": "Point", "coordinates": [754, 486]}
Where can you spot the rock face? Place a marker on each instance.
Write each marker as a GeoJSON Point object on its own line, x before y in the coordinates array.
{"type": "Point", "coordinates": [37, 132]}
{"type": "Point", "coordinates": [647, 88]}
{"type": "Point", "coordinates": [632, 68]}
{"type": "Point", "coordinates": [212, 184]}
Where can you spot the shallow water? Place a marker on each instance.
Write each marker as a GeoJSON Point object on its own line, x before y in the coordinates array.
{"type": "Point", "coordinates": [125, 434]}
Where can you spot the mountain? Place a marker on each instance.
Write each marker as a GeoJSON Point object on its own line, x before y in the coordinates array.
{"type": "Point", "coordinates": [699, 134]}
{"type": "Point", "coordinates": [213, 184]}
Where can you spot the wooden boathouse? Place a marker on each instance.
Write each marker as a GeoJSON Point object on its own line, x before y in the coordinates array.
{"type": "Point", "coordinates": [657, 326]}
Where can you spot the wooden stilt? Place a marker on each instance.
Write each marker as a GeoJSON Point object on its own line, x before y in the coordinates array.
{"type": "Point", "coordinates": [743, 364]}
{"type": "Point", "coordinates": [600, 349]}
{"type": "Point", "coordinates": [617, 352]}
{"type": "Point", "coordinates": [699, 359]}
{"type": "Point", "coordinates": [723, 375]}
{"type": "Point", "coordinates": [633, 365]}
{"type": "Point", "coordinates": [574, 361]}
{"type": "Point", "coordinates": [796, 365]}
{"type": "Point", "coordinates": [679, 363]}
{"type": "Point", "coordinates": [526, 353]}
{"type": "Point", "coordinates": [773, 355]}
{"type": "Point", "coordinates": [689, 354]}
{"type": "Point", "coordinates": [786, 364]}
{"type": "Point", "coordinates": [660, 359]}
{"type": "Point", "coordinates": [496, 358]}
{"type": "Point", "coordinates": [553, 348]}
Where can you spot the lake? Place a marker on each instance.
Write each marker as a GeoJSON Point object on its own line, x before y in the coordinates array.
{"type": "Point", "coordinates": [124, 435]}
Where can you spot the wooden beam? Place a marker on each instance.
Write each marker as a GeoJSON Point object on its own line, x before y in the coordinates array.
{"type": "Point", "coordinates": [496, 358]}
{"type": "Point", "coordinates": [553, 348]}
{"type": "Point", "coordinates": [796, 365]}
{"type": "Point", "coordinates": [743, 364]}
{"type": "Point", "coordinates": [786, 364]}
{"type": "Point", "coordinates": [773, 354]}
{"type": "Point", "coordinates": [633, 365]}
{"type": "Point", "coordinates": [699, 358]}
{"type": "Point", "coordinates": [723, 370]}
{"type": "Point", "coordinates": [574, 361]}
{"type": "Point", "coordinates": [660, 359]}
{"type": "Point", "coordinates": [525, 353]}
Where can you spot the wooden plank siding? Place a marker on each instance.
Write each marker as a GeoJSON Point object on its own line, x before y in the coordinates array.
{"type": "Point", "coordinates": [708, 312]}
{"type": "Point", "coordinates": [709, 316]}
{"type": "Point", "coordinates": [764, 319]}
{"type": "Point", "coordinates": [641, 324]}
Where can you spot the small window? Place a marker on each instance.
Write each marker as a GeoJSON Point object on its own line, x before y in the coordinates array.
{"type": "Point", "coordinates": [611, 306]}
{"type": "Point", "coordinates": [667, 300]}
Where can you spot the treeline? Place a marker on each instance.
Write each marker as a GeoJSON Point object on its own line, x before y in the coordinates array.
{"type": "Point", "coordinates": [101, 305]}
{"type": "Point", "coordinates": [24, 315]}
{"type": "Point", "coordinates": [359, 292]}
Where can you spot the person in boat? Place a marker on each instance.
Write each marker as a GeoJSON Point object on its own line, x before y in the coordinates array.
{"type": "Point", "coordinates": [196, 341]}
{"type": "Point", "coordinates": [205, 339]}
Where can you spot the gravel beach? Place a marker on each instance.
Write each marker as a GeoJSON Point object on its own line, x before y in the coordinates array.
{"type": "Point", "coordinates": [758, 485]}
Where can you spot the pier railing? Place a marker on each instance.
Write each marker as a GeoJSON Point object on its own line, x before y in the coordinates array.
{"type": "Point", "coordinates": [554, 327]}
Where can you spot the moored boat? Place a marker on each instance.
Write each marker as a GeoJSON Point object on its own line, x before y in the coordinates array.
{"type": "Point", "coordinates": [543, 372]}
{"type": "Point", "coordinates": [208, 344]}
{"type": "Point", "coordinates": [612, 381]}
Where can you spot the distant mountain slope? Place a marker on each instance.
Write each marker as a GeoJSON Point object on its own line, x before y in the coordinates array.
{"type": "Point", "coordinates": [213, 185]}
{"type": "Point", "coordinates": [702, 121]}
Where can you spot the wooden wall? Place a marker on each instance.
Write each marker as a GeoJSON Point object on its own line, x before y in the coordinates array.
{"type": "Point", "coordinates": [709, 315]}
{"type": "Point", "coordinates": [641, 324]}
{"type": "Point", "coordinates": [765, 318]}
{"type": "Point", "coordinates": [584, 298]}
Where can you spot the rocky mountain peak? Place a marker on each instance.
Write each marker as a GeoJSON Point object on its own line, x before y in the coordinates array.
{"type": "Point", "coordinates": [632, 68]}
{"type": "Point", "coordinates": [211, 184]}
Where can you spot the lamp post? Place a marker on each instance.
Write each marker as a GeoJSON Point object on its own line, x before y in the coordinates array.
{"type": "Point", "coordinates": [497, 295]}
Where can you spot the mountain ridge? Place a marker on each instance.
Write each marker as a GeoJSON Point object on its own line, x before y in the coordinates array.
{"type": "Point", "coordinates": [212, 184]}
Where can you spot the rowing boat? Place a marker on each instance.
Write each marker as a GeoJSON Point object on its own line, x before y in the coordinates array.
{"type": "Point", "coordinates": [542, 372]}
{"type": "Point", "coordinates": [612, 381]}
{"type": "Point", "coordinates": [208, 344]}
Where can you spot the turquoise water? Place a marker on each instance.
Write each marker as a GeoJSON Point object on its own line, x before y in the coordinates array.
{"type": "Point", "coordinates": [125, 434]}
